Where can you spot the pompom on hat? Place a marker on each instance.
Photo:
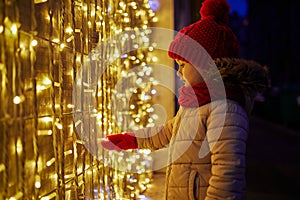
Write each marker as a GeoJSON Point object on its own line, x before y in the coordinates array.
{"type": "Point", "coordinates": [210, 34]}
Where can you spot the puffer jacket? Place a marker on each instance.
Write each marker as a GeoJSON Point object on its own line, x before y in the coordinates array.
{"type": "Point", "coordinates": [207, 147]}
{"type": "Point", "coordinates": [207, 144]}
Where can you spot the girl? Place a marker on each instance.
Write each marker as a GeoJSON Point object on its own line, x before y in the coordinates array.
{"type": "Point", "coordinates": [207, 137]}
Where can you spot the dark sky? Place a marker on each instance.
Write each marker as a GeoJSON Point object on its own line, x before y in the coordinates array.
{"type": "Point", "coordinates": [238, 5]}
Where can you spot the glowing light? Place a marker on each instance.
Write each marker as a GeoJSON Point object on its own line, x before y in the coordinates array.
{"type": "Point", "coordinates": [40, 88]}
{"type": "Point", "coordinates": [70, 106]}
{"type": "Point", "coordinates": [70, 38]}
{"type": "Point", "coordinates": [154, 59]}
{"type": "Point", "coordinates": [37, 182]}
{"type": "Point", "coordinates": [69, 152]}
{"type": "Point", "coordinates": [139, 81]}
{"type": "Point", "coordinates": [132, 36]}
{"type": "Point", "coordinates": [153, 91]}
{"type": "Point", "coordinates": [141, 73]}
{"type": "Point", "coordinates": [50, 162]}
{"type": "Point", "coordinates": [47, 81]}
{"type": "Point", "coordinates": [146, 40]}
{"type": "Point", "coordinates": [17, 100]}
{"type": "Point", "coordinates": [47, 17]}
{"type": "Point", "coordinates": [132, 106]}
{"type": "Point", "coordinates": [150, 110]}
{"type": "Point", "coordinates": [56, 84]}
{"type": "Point", "coordinates": [122, 4]}
{"type": "Point", "coordinates": [34, 43]}
{"type": "Point", "coordinates": [47, 119]}
{"type": "Point", "coordinates": [1, 29]}
{"type": "Point", "coordinates": [78, 59]}
{"type": "Point", "coordinates": [2, 167]}
{"type": "Point", "coordinates": [145, 97]}
{"type": "Point", "coordinates": [155, 19]}
{"type": "Point", "coordinates": [14, 29]}
{"type": "Point", "coordinates": [19, 146]}
{"type": "Point", "coordinates": [69, 30]}
{"type": "Point", "coordinates": [89, 23]}
{"type": "Point", "coordinates": [55, 40]}
{"type": "Point", "coordinates": [62, 46]}
{"type": "Point", "coordinates": [59, 125]}
{"type": "Point", "coordinates": [44, 132]}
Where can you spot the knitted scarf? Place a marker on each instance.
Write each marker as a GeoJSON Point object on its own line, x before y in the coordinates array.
{"type": "Point", "coordinates": [198, 94]}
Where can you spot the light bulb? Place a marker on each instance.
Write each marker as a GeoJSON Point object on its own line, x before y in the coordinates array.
{"type": "Point", "coordinates": [34, 43]}
{"type": "Point", "coordinates": [17, 100]}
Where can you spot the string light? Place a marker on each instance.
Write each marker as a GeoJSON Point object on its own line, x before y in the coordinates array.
{"type": "Point", "coordinates": [17, 100]}
{"type": "Point", "coordinates": [37, 182]}
{"type": "Point", "coordinates": [14, 29]}
{"type": "Point", "coordinates": [37, 86]}
{"type": "Point", "coordinates": [34, 43]}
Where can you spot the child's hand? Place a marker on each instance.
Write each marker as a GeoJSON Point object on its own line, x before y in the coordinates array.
{"type": "Point", "coordinates": [120, 142]}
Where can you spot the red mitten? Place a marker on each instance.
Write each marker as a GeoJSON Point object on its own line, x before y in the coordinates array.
{"type": "Point", "coordinates": [120, 142]}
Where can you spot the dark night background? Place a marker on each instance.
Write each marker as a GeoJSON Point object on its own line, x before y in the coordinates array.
{"type": "Point", "coordinates": [269, 33]}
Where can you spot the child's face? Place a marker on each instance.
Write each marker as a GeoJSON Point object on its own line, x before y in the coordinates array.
{"type": "Point", "coordinates": [188, 73]}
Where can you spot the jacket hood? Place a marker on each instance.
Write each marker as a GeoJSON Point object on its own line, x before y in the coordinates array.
{"type": "Point", "coordinates": [251, 76]}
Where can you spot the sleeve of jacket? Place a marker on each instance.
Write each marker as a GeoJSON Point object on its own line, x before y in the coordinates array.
{"type": "Point", "coordinates": [155, 137]}
{"type": "Point", "coordinates": [226, 137]}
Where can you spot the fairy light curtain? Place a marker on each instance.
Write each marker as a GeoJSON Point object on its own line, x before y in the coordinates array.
{"type": "Point", "coordinates": [45, 152]}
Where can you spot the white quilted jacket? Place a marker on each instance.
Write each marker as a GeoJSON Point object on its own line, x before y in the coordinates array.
{"type": "Point", "coordinates": [207, 148]}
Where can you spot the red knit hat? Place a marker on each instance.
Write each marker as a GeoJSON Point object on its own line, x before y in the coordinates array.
{"type": "Point", "coordinates": [211, 32]}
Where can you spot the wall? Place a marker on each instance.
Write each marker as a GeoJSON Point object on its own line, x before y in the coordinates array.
{"type": "Point", "coordinates": [72, 72]}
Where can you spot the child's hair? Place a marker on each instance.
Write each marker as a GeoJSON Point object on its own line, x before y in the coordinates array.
{"type": "Point", "coordinates": [251, 76]}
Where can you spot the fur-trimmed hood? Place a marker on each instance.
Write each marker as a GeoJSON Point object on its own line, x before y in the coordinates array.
{"type": "Point", "coordinates": [252, 77]}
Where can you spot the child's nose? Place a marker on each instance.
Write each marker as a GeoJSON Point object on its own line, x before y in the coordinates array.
{"type": "Point", "coordinates": [179, 70]}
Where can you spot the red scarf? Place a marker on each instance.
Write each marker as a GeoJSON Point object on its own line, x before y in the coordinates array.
{"type": "Point", "coordinates": [198, 94]}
